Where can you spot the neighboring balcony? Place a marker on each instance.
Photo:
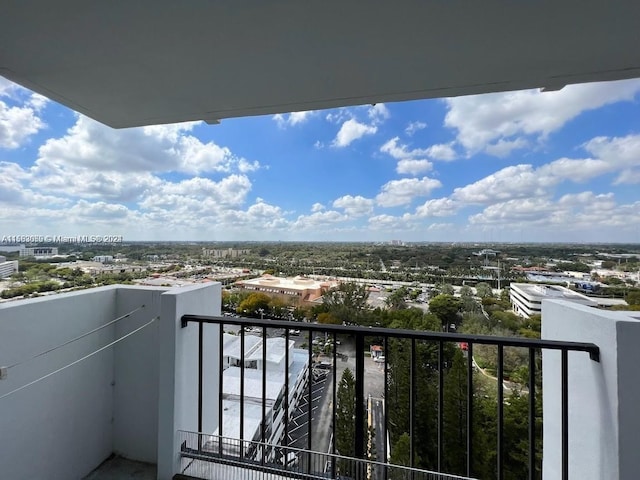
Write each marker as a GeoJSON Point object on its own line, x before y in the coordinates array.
{"type": "Point", "coordinates": [145, 373]}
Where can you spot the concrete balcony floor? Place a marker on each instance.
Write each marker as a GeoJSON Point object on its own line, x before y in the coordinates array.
{"type": "Point", "coordinates": [118, 468]}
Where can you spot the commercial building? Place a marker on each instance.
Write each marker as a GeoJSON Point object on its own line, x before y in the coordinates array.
{"type": "Point", "coordinates": [275, 371]}
{"type": "Point", "coordinates": [224, 253]}
{"type": "Point", "coordinates": [38, 251]}
{"type": "Point", "coordinates": [527, 298]}
{"type": "Point", "coordinates": [7, 268]}
{"type": "Point", "coordinates": [303, 288]}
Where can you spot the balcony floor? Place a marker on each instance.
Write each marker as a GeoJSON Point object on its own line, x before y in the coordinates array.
{"type": "Point", "coordinates": [118, 468]}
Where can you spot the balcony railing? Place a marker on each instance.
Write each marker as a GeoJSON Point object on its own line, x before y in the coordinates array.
{"type": "Point", "coordinates": [200, 457]}
{"type": "Point", "coordinates": [284, 425]}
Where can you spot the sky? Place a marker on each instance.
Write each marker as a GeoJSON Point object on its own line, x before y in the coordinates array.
{"type": "Point", "coordinates": [522, 166]}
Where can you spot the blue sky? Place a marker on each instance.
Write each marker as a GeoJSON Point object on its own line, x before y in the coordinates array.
{"type": "Point", "coordinates": [515, 166]}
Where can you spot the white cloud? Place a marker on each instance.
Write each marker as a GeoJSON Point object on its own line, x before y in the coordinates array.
{"type": "Point", "coordinates": [354, 206]}
{"type": "Point", "coordinates": [518, 181]}
{"type": "Point", "coordinates": [245, 166]}
{"type": "Point", "coordinates": [413, 167]}
{"type": "Point", "coordinates": [503, 148]}
{"type": "Point", "coordinates": [319, 219]}
{"type": "Point", "coordinates": [442, 151]}
{"type": "Point", "coordinates": [317, 207]}
{"type": "Point", "coordinates": [378, 113]}
{"type": "Point", "coordinates": [17, 124]}
{"type": "Point", "coordinates": [438, 207]}
{"type": "Point", "coordinates": [352, 130]}
{"type": "Point", "coordinates": [571, 213]}
{"type": "Point", "coordinates": [482, 121]}
{"type": "Point", "coordinates": [401, 152]}
{"type": "Point", "coordinates": [163, 148]}
{"type": "Point", "coordinates": [293, 118]}
{"type": "Point", "coordinates": [402, 192]}
{"type": "Point", "coordinates": [628, 177]}
{"type": "Point", "coordinates": [413, 127]}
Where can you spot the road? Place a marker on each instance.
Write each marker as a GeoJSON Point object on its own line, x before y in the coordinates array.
{"type": "Point", "coordinates": [376, 424]}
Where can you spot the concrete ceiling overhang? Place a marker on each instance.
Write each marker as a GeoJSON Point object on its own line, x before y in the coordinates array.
{"type": "Point", "coordinates": [137, 62]}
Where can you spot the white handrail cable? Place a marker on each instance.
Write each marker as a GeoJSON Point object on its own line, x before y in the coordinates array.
{"type": "Point", "coordinates": [81, 359]}
{"type": "Point", "coordinates": [126, 315]}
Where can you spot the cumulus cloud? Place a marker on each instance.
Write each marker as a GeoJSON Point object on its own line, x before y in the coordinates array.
{"type": "Point", "coordinates": [414, 127]}
{"type": "Point", "coordinates": [402, 192]}
{"type": "Point", "coordinates": [351, 131]}
{"type": "Point", "coordinates": [319, 219]}
{"type": "Point", "coordinates": [482, 121]}
{"type": "Point", "coordinates": [354, 206]}
{"type": "Point", "coordinates": [291, 119]}
{"type": "Point", "coordinates": [438, 207]}
{"type": "Point", "coordinates": [403, 153]}
{"type": "Point", "coordinates": [17, 124]}
{"type": "Point", "coordinates": [162, 148]}
{"type": "Point", "coordinates": [518, 181]}
{"type": "Point", "coordinates": [413, 167]}
{"type": "Point", "coordinates": [317, 207]}
{"type": "Point", "coordinates": [378, 113]}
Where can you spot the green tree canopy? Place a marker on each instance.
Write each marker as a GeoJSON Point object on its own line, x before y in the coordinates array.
{"type": "Point", "coordinates": [445, 307]}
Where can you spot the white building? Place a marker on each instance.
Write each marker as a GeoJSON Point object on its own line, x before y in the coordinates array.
{"type": "Point", "coordinates": [38, 251]}
{"type": "Point", "coordinates": [103, 258]}
{"type": "Point", "coordinates": [224, 252]}
{"type": "Point", "coordinates": [7, 268]}
{"type": "Point", "coordinates": [276, 370]}
{"type": "Point", "coordinates": [527, 298]}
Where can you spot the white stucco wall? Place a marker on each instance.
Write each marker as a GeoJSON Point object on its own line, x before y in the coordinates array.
{"type": "Point", "coordinates": [178, 381]}
{"type": "Point", "coordinates": [604, 418]}
{"type": "Point", "coordinates": [135, 392]}
{"type": "Point", "coordinates": [65, 426]}
{"type": "Point", "coordinates": [60, 428]}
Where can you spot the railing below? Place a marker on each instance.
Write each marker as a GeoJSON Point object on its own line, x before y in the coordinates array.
{"type": "Point", "coordinates": [212, 457]}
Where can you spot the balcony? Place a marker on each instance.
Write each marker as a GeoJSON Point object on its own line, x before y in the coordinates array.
{"type": "Point", "coordinates": [153, 374]}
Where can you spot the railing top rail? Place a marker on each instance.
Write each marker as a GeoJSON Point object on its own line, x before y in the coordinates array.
{"type": "Point", "coordinates": [591, 348]}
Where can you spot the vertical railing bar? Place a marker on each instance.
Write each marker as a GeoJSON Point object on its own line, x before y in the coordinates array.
{"type": "Point", "coordinates": [440, 403]}
{"type": "Point", "coordinates": [500, 458]}
{"type": "Point", "coordinates": [242, 367]}
{"type": "Point", "coordinates": [469, 408]}
{"type": "Point", "coordinates": [532, 414]}
{"type": "Point", "coordinates": [334, 374]}
{"type": "Point", "coordinates": [359, 423]}
{"type": "Point", "coordinates": [264, 393]}
{"type": "Point", "coordinates": [220, 386]}
{"type": "Point", "coordinates": [285, 440]}
{"type": "Point", "coordinates": [310, 392]}
{"type": "Point", "coordinates": [412, 404]}
{"type": "Point", "coordinates": [200, 379]}
{"type": "Point", "coordinates": [386, 396]}
{"type": "Point", "coordinates": [565, 414]}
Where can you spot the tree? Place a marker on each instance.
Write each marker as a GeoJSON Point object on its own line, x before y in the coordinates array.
{"type": "Point", "coordinates": [447, 289]}
{"type": "Point", "coordinates": [327, 318]}
{"type": "Point", "coordinates": [347, 302]}
{"type": "Point", "coordinates": [446, 308]}
{"type": "Point", "coordinates": [254, 302]}
{"type": "Point", "coordinates": [396, 301]}
{"type": "Point", "coordinates": [484, 290]}
{"type": "Point", "coordinates": [345, 421]}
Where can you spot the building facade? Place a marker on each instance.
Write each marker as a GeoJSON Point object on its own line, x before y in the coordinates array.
{"type": "Point", "coordinates": [303, 288]}
{"type": "Point", "coordinates": [526, 298]}
{"type": "Point", "coordinates": [7, 268]}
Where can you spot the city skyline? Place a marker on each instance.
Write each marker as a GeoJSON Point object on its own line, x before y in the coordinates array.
{"type": "Point", "coordinates": [521, 166]}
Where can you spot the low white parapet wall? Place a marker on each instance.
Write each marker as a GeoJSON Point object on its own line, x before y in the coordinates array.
{"type": "Point", "coordinates": [603, 397]}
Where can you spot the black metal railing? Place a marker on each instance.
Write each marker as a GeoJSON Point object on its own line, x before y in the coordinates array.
{"type": "Point", "coordinates": [399, 346]}
{"type": "Point", "coordinates": [200, 457]}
